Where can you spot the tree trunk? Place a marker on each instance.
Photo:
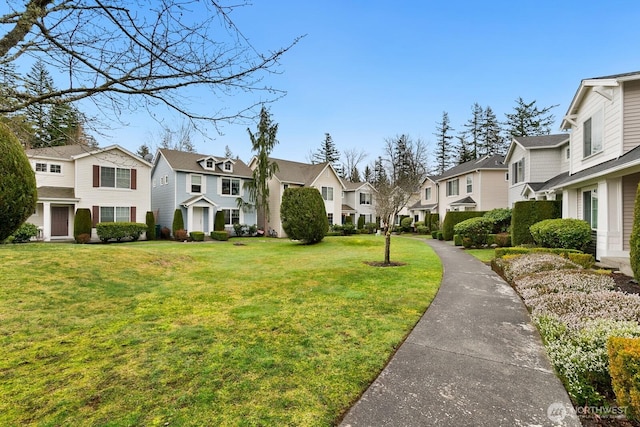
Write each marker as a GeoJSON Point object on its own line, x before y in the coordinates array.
{"type": "Point", "coordinates": [387, 246]}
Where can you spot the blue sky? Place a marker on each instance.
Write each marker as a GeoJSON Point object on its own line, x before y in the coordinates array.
{"type": "Point", "coordinates": [370, 70]}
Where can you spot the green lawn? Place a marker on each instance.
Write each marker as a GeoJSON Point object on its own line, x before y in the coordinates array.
{"type": "Point", "coordinates": [172, 334]}
{"type": "Point", "coordinates": [484, 255]}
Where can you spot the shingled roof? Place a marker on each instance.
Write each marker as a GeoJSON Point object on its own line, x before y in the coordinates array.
{"type": "Point", "coordinates": [494, 162]}
{"type": "Point", "coordinates": [188, 162]}
{"type": "Point", "coordinates": [542, 141]}
{"type": "Point", "coordinates": [297, 172]}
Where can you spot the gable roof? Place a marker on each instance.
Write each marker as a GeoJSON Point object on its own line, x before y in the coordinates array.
{"type": "Point", "coordinates": [188, 162]}
{"type": "Point", "coordinates": [301, 173]}
{"type": "Point", "coordinates": [72, 152]}
{"type": "Point", "coordinates": [355, 186]}
{"type": "Point", "coordinates": [594, 82]}
{"type": "Point", "coordinates": [537, 142]}
{"type": "Point", "coordinates": [491, 162]}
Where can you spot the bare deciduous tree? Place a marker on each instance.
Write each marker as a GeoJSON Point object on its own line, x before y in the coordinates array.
{"type": "Point", "coordinates": [128, 55]}
{"type": "Point", "coordinates": [352, 159]}
{"type": "Point", "coordinates": [406, 167]}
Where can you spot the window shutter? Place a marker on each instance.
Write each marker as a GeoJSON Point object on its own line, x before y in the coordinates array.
{"type": "Point", "coordinates": [134, 179]}
{"type": "Point", "coordinates": [96, 176]}
{"type": "Point", "coordinates": [96, 215]}
{"type": "Point", "coordinates": [133, 214]}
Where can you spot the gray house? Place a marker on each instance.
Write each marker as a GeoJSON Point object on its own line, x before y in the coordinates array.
{"type": "Point", "coordinates": [199, 185]}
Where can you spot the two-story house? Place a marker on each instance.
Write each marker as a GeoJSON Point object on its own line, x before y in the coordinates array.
{"type": "Point", "coordinates": [604, 160]}
{"type": "Point", "coordinates": [476, 185]}
{"type": "Point", "coordinates": [295, 174]}
{"type": "Point", "coordinates": [200, 185]}
{"type": "Point", "coordinates": [427, 200]}
{"type": "Point", "coordinates": [534, 160]}
{"type": "Point", "coordinates": [112, 182]}
{"type": "Point", "coordinates": [358, 200]}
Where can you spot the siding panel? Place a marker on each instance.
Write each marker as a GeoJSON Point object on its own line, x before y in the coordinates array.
{"type": "Point", "coordinates": [631, 115]}
{"type": "Point", "coordinates": [629, 187]}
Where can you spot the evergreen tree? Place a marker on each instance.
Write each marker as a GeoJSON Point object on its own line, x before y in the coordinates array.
{"type": "Point", "coordinates": [38, 84]}
{"type": "Point", "coordinates": [328, 153]}
{"type": "Point", "coordinates": [64, 126]}
{"type": "Point", "coordinates": [262, 144]}
{"type": "Point", "coordinates": [473, 130]}
{"type": "Point", "coordinates": [491, 134]}
{"type": "Point", "coordinates": [528, 120]}
{"type": "Point", "coordinates": [143, 151]}
{"type": "Point", "coordinates": [367, 174]}
{"type": "Point", "coordinates": [443, 144]}
{"type": "Point", "coordinates": [379, 172]}
{"type": "Point", "coordinates": [464, 151]}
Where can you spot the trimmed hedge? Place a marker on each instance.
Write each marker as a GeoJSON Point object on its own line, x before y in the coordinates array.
{"type": "Point", "coordinates": [624, 368]}
{"type": "Point", "coordinates": [18, 193]}
{"type": "Point", "coordinates": [432, 221]}
{"type": "Point", "coordinates": [567, 233]}
{"type": "Point", "coordinates": [501, 218]}
{"type": "Point", "coordinates": [82, 223]}
{"type": "Point", "coordinates": [178, 221]}
{"type": "Point", "coordinates": [526, 213]}
{"type": "Point", "coordinates": [454, 217]}
{"type": "Point", "coordinates": [150, 219]}
{"type": "Point", "coordinates": [585, 260]}
{"type": "Point", "coordinates": [303, 214]}
{"type": "Point", "coordinates": [219, 235]}
{"type": "Point", "coordinates": [361, 222]}
{"type": "Point", "coordinates": [634, 240]}
{"type": "Point", "coordinates": [120, 230]}
{"type": "Point", "coordinates": [197, 236]}
{"type": "Point", "coordinates": [500, 252]}
{"type": "Point", "coordinates": [474, 230]}
{"type": "Point", "coordinates": [218, 222]}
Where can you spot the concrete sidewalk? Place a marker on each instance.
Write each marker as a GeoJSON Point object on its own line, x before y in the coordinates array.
{"type": "Point", "coordinates": [474, 359]}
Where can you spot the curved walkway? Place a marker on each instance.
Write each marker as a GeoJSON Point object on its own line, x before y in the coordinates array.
{"type": "Point", "coordinates": [473, 359]}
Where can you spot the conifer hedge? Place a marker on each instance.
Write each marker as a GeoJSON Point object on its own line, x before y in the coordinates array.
{"type": "Point", "coordinates": [526, 213]}
{"type": "Point", "coordinates": [82, 223]}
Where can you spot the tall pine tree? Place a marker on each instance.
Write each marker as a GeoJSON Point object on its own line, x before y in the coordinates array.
{"type": "Point", "coordinates": [491, 134]}
{"type": "Point", "coordinates": [528, 120]}
{"type": "Point", "coordinates": [473, 130]}
{"type": "Point", "coordinates": [444, 153]}
{"type": "Point", "coordinates": [328, 153]}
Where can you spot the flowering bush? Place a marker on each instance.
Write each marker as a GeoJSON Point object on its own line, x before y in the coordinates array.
{"type": "Point", "coordinates": [580, 355]}
{"type": "Point", "coordinates": [531, 287]}
{"type": "Point", "coordinates": [519, 265]}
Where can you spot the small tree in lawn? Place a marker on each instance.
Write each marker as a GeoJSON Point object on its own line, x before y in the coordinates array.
{"type": "Point", "coordinates": [303, 214]}
{"type": "Point", "coordinates": [405, 170]}
{"type": "Point", "coordinates": [262, 144]}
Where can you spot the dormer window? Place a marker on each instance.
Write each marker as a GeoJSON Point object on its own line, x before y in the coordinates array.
{"type": "Point", "coordinates": [209, 163]}
{"type": "Point", "coordinates": [228, 167]}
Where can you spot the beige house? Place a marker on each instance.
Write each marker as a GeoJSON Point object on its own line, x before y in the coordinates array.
{"type": "Point", "coordinates": [477, 185]}
{"type": "Point", "coordinates": [600, 183]}
{"type": "Point", "coordinates": [295, 174]}
{"type": "Point", "coordinates": [112, 182]}
{"type": "Point", "coordinates": [358, 200]}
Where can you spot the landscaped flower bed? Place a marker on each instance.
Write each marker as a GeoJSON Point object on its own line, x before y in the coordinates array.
{"type": "Point", "coordinates": [576, 312]}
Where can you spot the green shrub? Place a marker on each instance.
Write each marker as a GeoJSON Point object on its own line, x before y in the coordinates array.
{"type": "Point", "coordinates": [120, 230]}
{"type": "Point", "coordinates": [178, 221]}
{"type": "Point", "coordinates": [240, 230]}
{"type": "Point", "coordinates": [475, 229]}
{"type": "Point", "coordinates": [454, 217]}
{"type": "Point", "coordinates": [18, 194]}
{"type": "Point", "coordinates": [440, 235]}
{"type": "Point", "coordinates": [218, 224]}
{"type": "Point", "coordinates": [584, 260]}
{"type": "Point", "coordinates": [501, 218]}
{"type": "Point", "coordinates": [405, 224]}
{"type": "Point", "coordinates": [197, 236]}
{"type": "Point", "coordinates": [519, 250]}
{"type": "Point", "coordinates": [566, 233]}
{"type": "Point", "coordinates": [434, 234]}
{"type": "Point", "coordinates": [421, 229]}
{"type": "Point", "coordinates": [25, 232]}
{"type": "Point", "coordinates": [371, 227]}
{"type": "Point", "coordinates": [634, 240]}
{"type": "Point", "coordinates": [457, 240]}
{"type": "Point", "coordinates": [219, 235]}
{"type": "Point", "coordinates": [303, 214]}
{"type": "Point", "coordinates": [503, 240]}
{"type": "Point", "coordinates": [361, 222]}
{"type": "Point", "coordinates": [348, 219]}
{"type": "Point", "coordinates": [526, 213]}
{"type": "Point", "coordinates": [434, 221]}
{"type": "Point", "coordinates": [624, 368]}
{"type": "Point", "coordinates": [150, 219]}
{"type": "Point", "coordinates": [82, 223]}
{"type": "Point", "coordinates": [348, 229]}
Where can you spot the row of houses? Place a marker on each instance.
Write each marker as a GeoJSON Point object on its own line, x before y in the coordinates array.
{"type": "Point", "coordinates": [593, 167]}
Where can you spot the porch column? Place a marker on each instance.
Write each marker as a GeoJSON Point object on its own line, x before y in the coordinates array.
{"type": "Point", "coordinates": [189, 218]}
{"type": "Point", "coordinates": [212, 214]}
{"type": "Point", "coordinates": [46, 221]}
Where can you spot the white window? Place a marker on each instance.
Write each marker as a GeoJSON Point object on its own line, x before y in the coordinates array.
{"type": "Point", "coordinates": [592, 134]}
{"type": "Point", "coordinates": [518, 171]}
{"type": "Point", "coordinates": [231, 216]}
{"type": "Point", "coordinates": [365, 198]}
{"type": "Point", "coordinates": [568, 153]}
{"type": "Point", "coordinates": [41, 167]}
{"type": "Point", "coordinates": [590, 207]}
{"type": "Point", "coordinates": [230, 187]}
{"type": "Point", "coordinates": [330, 218]}
{"type": "Point", "coordinates": [327, 193]}
{"type": "Point", "coordinates": [452, 187]}
{"type": "Point", "coordinates": [166, 179]}
{"type": "Point", "coordinates": [115, 214]}
{"type": "Point", "coordinates": [196, 184]}
{"type": "Point", "coordinates": [228, 167]}
{"type": "Point", "coordinates": [55, 168]}
{"type": "Point", "coordinates": [427, 193]}
{"type": "Point", "coordinates": [469, 184]}
{"type": "Point", "coordinates": [209, 163]}
{"type": "Point", "coordinates": [115, 177]}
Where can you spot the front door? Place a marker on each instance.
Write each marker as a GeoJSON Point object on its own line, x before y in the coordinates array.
{"type": "Point", "coordinates": [198, 216]}
{"type": "Point", "coordinates": [59, 221]}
